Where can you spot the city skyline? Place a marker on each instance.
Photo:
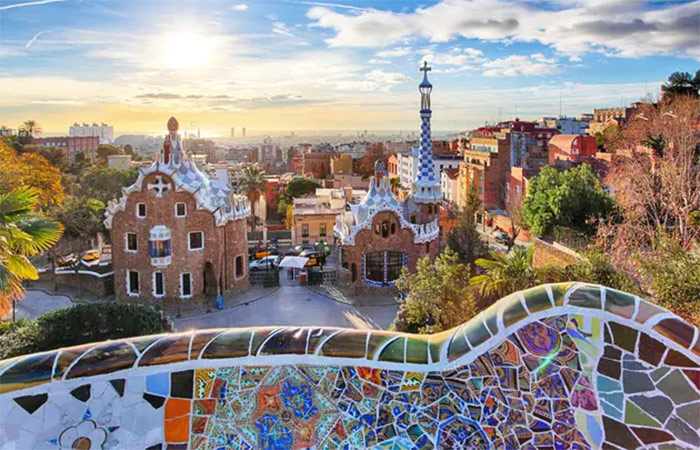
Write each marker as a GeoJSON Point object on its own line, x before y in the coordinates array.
{"type": "Point", "coordinates": [304, 65]}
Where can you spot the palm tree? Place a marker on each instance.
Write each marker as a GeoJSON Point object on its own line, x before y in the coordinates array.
{"type": "Point", "coordinates": [22, 235]}
{"type": "Point", "coordinates": [506, 273]}
{"type": "Point", "coordinates": [30, 127]}
{"type": "Point", "coordinates": [682, 83]}
{"type": "Point", "coordinates": [253, 184]}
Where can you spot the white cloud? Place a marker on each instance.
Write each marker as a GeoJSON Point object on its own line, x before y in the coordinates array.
{"type": "Point", "coordinates": [625, 28]}
{"type": "Point", "coordinates": [463, 58]}
{"type": "Point", "coordinates": [519, 65]}
{"type": "Point", "coordinates": [37, 3]}
{"type": "Point", "coordinates": [379, 61]}
{"type": "Point", "coordinates": [281, 28]}
{"type": "Point", "coordinates": [240, 7]}
{"type": "Point", "coordinates": [393, 52]}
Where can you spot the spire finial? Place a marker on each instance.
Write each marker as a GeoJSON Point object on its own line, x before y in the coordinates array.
{"type": "Point", "coordinates": [425, 68]}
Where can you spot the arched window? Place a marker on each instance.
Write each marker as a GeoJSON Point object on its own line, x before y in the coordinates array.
{"type": "Point", "coordinates": [383, 267]}
{"type": "Point", "coordinates": [385, 229]}
{"type": "Point", "coordinates": [393, 228]}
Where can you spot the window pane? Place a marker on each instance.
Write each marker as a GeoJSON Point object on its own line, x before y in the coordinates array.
{"type": "Point", "coordinates": [374, 266]}
{"type": "Point", "coordinates": [131, 243]}
{"type": "Point", "coordinates": [186, 284]}
{"type": "Point", "coordinates": [196, 240]}
{"type": "Point", "coordinates": [159, 249]}
{"type": "Point", "coordinates": [180, 209]}
{"type": "Point", "coordinates": [394, 264]}
{"type": "Point", "coordinates": [133, 282]}
{"type": "Point", "coordinates": [305, 230]}
{"type": "Point", "coordinates": [158, 282]}
{"type": "Point", "coordinates": [239, 266]}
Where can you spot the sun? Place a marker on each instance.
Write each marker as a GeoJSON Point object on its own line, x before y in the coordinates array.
{"type": "Point", "coordinates": [186, 50]}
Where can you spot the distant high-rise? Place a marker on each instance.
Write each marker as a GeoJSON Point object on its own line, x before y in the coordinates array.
{"type": "Point", "coordinates": [233, 132]}
{"type": "Point", "coordinates": [103, 131]}
{"type": "Point", "coordinates": [243, 132]}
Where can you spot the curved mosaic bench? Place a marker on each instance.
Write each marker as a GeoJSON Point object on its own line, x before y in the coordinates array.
{"type": "Point", "coordinates": [568, 366]}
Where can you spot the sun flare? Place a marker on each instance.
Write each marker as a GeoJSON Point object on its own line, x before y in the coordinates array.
{"type": "Point", "coordinates": [186, 50]}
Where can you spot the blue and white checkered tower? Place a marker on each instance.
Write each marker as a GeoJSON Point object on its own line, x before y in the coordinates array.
{"type": "Point", "coordinates": [426, 186]}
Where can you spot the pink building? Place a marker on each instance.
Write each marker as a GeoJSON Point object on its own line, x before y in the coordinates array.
{"type": "Point", "coordinates": [572, 147]}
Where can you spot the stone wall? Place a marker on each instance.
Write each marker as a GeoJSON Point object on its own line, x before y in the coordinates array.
{"type": "Point", "coordinates": [100, 286]}
{"type": "Point", "coordinates": [556, 254]}
{"type": "Point", "coordinates": [568, 365]}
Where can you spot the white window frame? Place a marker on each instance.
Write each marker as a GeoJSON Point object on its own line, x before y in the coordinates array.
{"type": "Point", "coordinates": [128, 283]}
{"type": "Point", "coordinates": [243, 265]}
{"type": "Point", "coordinates": [126, 242]}
{"type": "Point", "coordinates": [183, 204]}
{"type": "Point", "coordinates": [182, 295]}
{"type": "Point", "coordinates": [189, 242]}
{"type": "Point", "coordinates": [137, 210]}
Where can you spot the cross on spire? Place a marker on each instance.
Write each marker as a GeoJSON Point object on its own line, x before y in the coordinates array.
{"type": "Point", "coordinates": [425, 68]}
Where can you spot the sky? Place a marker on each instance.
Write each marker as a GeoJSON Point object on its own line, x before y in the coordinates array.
{"type": "Point", "coordinates": [353, 65]}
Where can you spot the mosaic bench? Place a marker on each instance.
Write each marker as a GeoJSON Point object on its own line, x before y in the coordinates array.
{"type": "Point", "coordinates": [560, 366]}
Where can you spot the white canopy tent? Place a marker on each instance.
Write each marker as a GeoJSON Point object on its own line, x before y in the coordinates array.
{"type": "Point", "coordinates": [296, 262]}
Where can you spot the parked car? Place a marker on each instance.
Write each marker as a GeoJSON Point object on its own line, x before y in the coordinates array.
{"type": "Point", "coordinates": [315, 258]}
{"type": "Point", "coordinates": [266, 251]}
{"type": "Point", "coordinates": [90, 255]}
{"type": "Point", "coordinates": [501, 237]}
{"type": "Point", "coordinates": [265, 263]}
{"type": "Point", "coordinates": [66, 260]}
{"type": "Point", "coordinates": [297, 251]}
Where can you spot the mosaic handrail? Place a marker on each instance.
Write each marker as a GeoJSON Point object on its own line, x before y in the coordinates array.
{"type": "Point", "coordinates": [338, 346]}
{"type": "Point", "coordinates": [559, 363]}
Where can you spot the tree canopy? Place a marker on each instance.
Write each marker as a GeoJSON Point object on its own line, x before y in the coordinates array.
{"type": "Point", "coordinates": [437, 297]}
{"type": "Point", "coordinates": [31, 170]}
{"type": "Point", "coordinates": [682, 83]}
{"type": "Point", "coordinates": [464, 238]}
{"type": "Point", "coordinates": [82, 217]}
{"type": "Point", "coordinates": [573, 198]}
{"type": "Point", "coordinates": [106, 184]}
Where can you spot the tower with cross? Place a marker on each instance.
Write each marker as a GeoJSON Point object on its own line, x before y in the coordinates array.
{"type": "Point", "coordinates": [426, 186]}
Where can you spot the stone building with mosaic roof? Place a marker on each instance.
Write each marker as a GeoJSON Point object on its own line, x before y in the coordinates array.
{"type": "Point", "coordinates": [379, 236]}
{"type": "Point", "coordinates": [177, 234]}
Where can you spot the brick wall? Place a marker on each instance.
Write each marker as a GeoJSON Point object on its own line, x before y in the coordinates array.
{"type": "Point", "coordinates": [546, 253]}
{"type": "Point", "coordinates": [367, 241]}
{"type": "Point", "coordinates": [221, 246]}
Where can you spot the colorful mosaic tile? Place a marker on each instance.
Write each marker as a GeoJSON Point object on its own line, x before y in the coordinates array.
{"type": "Point", "coordinates": [564, 379]}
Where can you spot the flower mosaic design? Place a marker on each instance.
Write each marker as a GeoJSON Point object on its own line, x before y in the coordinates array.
{"type": "Point", "coordinates": [84, 436]}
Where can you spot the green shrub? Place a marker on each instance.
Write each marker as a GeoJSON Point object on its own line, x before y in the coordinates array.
{"type": "Point", "coordinates": [85, 323]}
{"type": "Point", "coordinates": [79, 324]}
{"type": "Point", "coordinates": [17, 339]}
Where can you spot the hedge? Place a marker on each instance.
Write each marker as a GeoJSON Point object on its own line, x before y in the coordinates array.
{"type": "Point", "coordinates": [79, 324]}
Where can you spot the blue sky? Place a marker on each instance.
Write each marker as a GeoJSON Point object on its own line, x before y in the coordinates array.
{"type": "Point", "coordinates": [305, 65]}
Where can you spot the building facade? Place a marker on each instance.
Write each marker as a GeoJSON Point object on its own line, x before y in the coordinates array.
{"type": "Point", "coordinates": [381, 235]}
{"type": "Point", "coordinates": [572, 148]}
{"type": "Point", "coordinates": [72, 145]}
{"type": "Point", "coordinates": [121, 162]}
{"type": "Point", "coordinates": [486, 163]}
{"type": "Point", "coordinates": [103, 131]}
{"type": "Point", "coordinates": [176, 234]}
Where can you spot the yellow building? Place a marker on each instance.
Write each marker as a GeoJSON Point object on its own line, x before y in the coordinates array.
{"type": "Point", "coordinates": [341, 164]}
{"type": "Point", "coordinates": [314, 216]}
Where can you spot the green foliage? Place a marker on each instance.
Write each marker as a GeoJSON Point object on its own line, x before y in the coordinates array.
{"type": "Point", "coordinates": [23, 234]}
{"type": "Point", "coordinates": [106, 184]}
{"type": "Point", "coordinates": [573, 198]}
{"type": "Point", "coordinates": [674, 278]}
{"type": "Point", "coordinates": [80, 165]}
{"type": "Point", "coordinates": [85, 323]}
{"type": "Point", "coordinates": [105, 150]}
{"type": "Point", "coordinates": [595, 267]}
{"type": "Point", "coordinates": [17, 338]}
{"type": "Point", "coordinates": [82, 216]}
{"type": "Point", "coordinates": [437, 297]}
{"type": "Point", "coordinates": [682, 83]}
{"type": "Point", "coordinates": [77, 325]}
{"type": "Point", "coordinates": [465, 238]}
{"type": "Point", "coordinates": [55, 156]}
{"type": "Point", "coordinates": [299, 187]}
